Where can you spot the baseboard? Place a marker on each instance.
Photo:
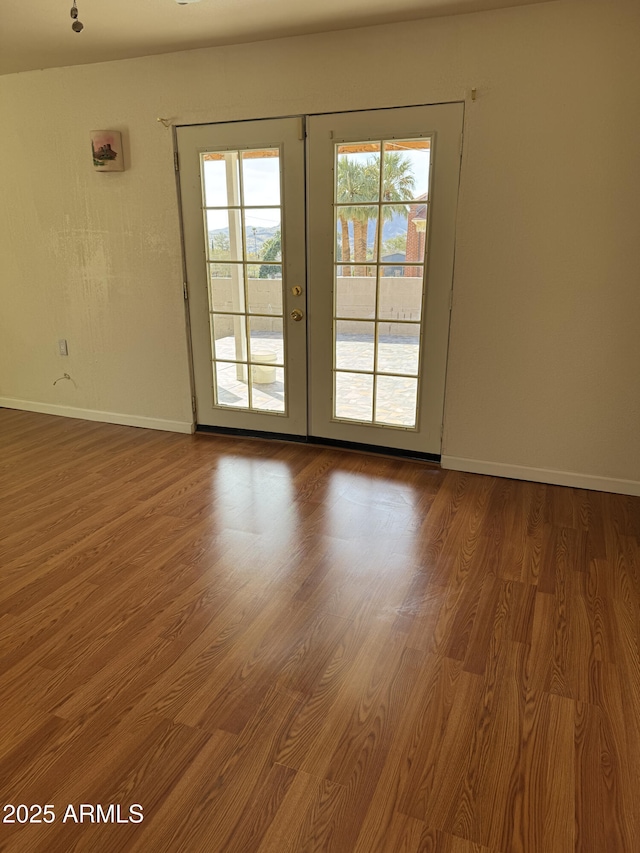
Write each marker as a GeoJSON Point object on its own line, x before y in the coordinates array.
{"type": "Point", "coordinates": [95, 415]}
{"type": "Point", "coordinates": [542, 475]}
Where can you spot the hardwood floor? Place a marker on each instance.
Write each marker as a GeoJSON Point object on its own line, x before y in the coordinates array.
{"type": "Point", "coordinates": [275, 648]}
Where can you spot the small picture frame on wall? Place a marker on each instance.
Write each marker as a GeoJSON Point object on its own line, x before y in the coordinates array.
{"type": "Point", "coordinates": [106, 149]}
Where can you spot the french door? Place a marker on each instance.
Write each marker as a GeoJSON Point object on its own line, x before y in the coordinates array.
{"type": "Point", "coordinates": [243, 210]}
{"type": "Point", "coordinates": [320, 270]}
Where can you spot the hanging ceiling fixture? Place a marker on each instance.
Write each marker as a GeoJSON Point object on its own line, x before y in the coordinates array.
{"type": "Point", "coordinates": [77, 26]}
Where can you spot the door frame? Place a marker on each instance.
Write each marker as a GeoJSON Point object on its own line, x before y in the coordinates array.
{"type": "Point", "coordinates": [443, 124]}
{"type": "Point", "coordinates": [286, 135]}
{"type": "Point", "coordinates": [309, 437]}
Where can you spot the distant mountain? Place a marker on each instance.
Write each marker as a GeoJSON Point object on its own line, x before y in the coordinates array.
{"type": "Point", "coordinates": [255, 239]}
{"type": "Point", "coordinates": [392, 227]}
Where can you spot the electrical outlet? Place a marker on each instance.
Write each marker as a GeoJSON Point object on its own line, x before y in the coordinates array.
{"type": "Point", "coordinates": [63, 349]}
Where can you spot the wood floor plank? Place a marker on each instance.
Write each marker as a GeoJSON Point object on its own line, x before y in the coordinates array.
{"type": "Point", "coordinates": [619, 772]}
{"type": "Point", "coordinates": [442, 745]}
{"type": "Point", "coordinates": [386, 826]}
{"type": "Point", "coordinates": [278, 648]}
{"type": "Point", "coordinates": [535, 531]}
{"type": "Point", "coordinates": [239, 779]}
{"type": "Point", "coordinates": [365, 745]}
{"type": "Point", "coordinates": [506, 528]}
{"type": "Point", "coordinates": [495, 773]}
{"type": "Point", "coordinates": [307, 740]}
{"type": "Point", "coordinates": [435, 841]}
{"type": "Point", "coordinates": [304, 821]}
{"type": "Point", "coordinates": [590, 828]}
{"type": "Point", "coordinates": [400, 834]}
{"type": "Point", "coordinates": [292, 653]}
{"type": "Point", "coordinates": [258, 815]}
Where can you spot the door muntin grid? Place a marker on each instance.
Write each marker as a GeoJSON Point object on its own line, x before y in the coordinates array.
{"type": "Point", "coordinates": [381, 204]}
{"type": "Point", "coordinates": [242, 219]}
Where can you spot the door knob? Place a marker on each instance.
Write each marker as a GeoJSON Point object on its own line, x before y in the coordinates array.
{"type": "Point", "coordinates": [296, 315]}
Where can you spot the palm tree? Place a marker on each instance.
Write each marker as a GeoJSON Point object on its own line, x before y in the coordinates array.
{"type": "Point", "coordinates": [345, 246]}
{"type": "Point", "coordinates": [353, 188]}
{"type": "Point", "coordinates": [398, 183]}
{"type": "Point", "coordinates": [359, 183]}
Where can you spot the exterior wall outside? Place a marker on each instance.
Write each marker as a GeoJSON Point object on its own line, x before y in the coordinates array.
{"type": "Point", "coordinates": [400, 299]}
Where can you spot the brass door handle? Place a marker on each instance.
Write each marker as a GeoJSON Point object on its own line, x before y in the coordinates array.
{"type": "Point", "coordinates": [296, 315]}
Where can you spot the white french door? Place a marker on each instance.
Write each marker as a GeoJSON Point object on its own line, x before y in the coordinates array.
{"type": "Point", "coordinates": [381, 189]}
{"type": "Point", "coordinates": [243, 211]}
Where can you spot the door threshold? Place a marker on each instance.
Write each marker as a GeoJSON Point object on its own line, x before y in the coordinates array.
{"type": "Point", "coordinates": [321, 442]}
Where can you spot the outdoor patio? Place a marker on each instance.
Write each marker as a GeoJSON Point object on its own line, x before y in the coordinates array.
{"type": "Point", "coordinates": [395, 394]}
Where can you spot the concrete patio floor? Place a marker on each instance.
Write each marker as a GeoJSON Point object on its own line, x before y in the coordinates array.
{"type": "Point", "coordinates": [395, 393]}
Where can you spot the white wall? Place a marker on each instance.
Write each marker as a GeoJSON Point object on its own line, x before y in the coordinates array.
{"type": "Point", "coordinates": [545, 349]}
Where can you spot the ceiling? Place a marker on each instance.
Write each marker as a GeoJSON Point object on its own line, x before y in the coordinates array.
{"type": "Point", "coordinates": [37, 33]}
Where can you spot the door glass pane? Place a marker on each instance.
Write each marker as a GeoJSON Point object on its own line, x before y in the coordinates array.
{"type": "Point", "coordinates": [229, 337]}
{"type": "Point", "coordinates": [262, 234]}
{"type": "Point", "coordinates": [417, 232]}
{"type": "Point", "coordinates": [406, 169]}
{"type": "Point", "coordinates": [404, 232]}
{"type": "Point", "coordinates": [265, 291]}
{"type": "Point", "coordinates": [396, 400]}
{"type": "Point", "coordinates": [400, 294]}
{"type": "Point", "coordinates": [358, 173]}
{"type": "Point", "coordinates": [267, 388]}
{"type": "Point", "coordinates": [354, 396]}
{"type": "Point", "coordinates": [224, 237]}
{"type": "Point", "coordinates": [226, 287]}
{"type": "Point", "coordinates": [398, 348]}
{"type": "Point", "coordinates": [221, 179]}
{"type": "Point", "coordinates": [242, 219]}
{"type": "Point", "coordinates": [394, 232]}
{"type": "Point", "coordinates": [356, 241]}
{"type": "Point", "coordinates": [355, 294]}
{"type": "Point", "coordinates": [354, 345]}
{"type": "Point", "coordinates": [231, 387]}
{"type": "Point", "coordinates": [381, 232]}
{"type": "Point", "coordinates": [266, 342]}
{"type": "Point", "coordinates": [261, 176]}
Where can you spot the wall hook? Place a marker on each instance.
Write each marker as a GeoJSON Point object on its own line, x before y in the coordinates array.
{"type": "Point", "coordinates": [64, 376]}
